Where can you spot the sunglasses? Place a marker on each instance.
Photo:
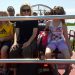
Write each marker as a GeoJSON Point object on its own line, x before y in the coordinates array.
{"type": "Point", "coordinates": [24, 10]}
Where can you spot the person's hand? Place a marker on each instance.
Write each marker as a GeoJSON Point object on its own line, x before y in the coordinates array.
{"type": "Point", "coordinates": [1, 39]}
{"type": "Point", "coordinates": [13, 47]}
{"type": "Point", "coordinates": [26, 44]}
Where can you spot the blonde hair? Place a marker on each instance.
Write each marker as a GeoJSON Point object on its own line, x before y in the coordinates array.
{"type": "Point", "coordinates": [25, 6]}
{"type": "Point", "coordinates": [5, 14]}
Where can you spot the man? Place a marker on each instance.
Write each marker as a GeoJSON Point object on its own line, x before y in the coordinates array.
{"type": "Point", "coordinates": [11, 11]}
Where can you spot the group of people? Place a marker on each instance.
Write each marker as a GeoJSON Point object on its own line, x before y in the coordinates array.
{"type": "Point", "coordinates": [21, 41]}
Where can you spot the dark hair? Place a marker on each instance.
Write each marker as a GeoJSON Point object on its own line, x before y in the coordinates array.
{"type": "Point", "coordinates": [58, 10]}
{"type": "Point", "coordinates": [35, 14]}
{"type": "Point", "coordinates": [10, 8]}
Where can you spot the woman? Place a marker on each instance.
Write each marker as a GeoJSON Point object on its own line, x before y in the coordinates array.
{"type": "Point", "coordinates": [24, 45]}
{"type": "Point", "coordinates": [25, 33]}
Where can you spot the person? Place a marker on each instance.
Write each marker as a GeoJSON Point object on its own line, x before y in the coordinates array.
{"type": "Point", "coordinates": [25, 41]}
{"type": "Point", "coordinates": [17, 14]}
{"type": "Point", "coordinates": [6, 38]}
{"type": "Point", "coordinates": [35, 14]}
{"type": "Point", "coordinates": [26, 32]}
{"type": "Point", "coordinates": [11, 11]}
{"type": "Point", "coordinates": [58, 36]}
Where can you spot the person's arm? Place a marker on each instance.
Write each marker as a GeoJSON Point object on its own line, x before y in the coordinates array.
{"type": "Point", "coordinates": [15, 44]}
{"type": "Point", "coordinates": [35, 31]}
{"type": "Point", "coordinates": [17, 30]}
{"type": "Point", "coordinates": [16, 35]}
{"type": "Point", "coordinates": [65, 32]}
{"type": "Point", "coordinates": [47, 25]}
{"type": "Point", "coordinates": [33, 36]}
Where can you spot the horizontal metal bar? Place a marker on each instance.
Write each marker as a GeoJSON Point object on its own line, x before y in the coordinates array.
{"type": "Point", "coordinates": [37, 61]}
{"type": "Point", "coordinates": [17, 18]}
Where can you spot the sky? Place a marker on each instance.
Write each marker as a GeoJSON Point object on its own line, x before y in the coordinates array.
{"type": "Point", "coordinates": [69, 5]}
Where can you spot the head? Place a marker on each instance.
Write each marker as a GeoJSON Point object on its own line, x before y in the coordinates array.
{"type": "Point", "coordinates": [47, 13]}
{"type": "Point", "coordinates": [25, 10]}
{"type": "Point", "coordinates": [5, 21]}
{"type": "Point", "coordinates": [58, 10]}
{"type": "Point", "coordinates": [35, 14]}
{"type": "Point", "coordinates": [11, 11]}
{"type": "Point", "coordinates": [17, 14]}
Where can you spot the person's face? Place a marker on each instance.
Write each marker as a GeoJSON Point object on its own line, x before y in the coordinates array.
{"type": "Point", "coordinates": [5, 21]}
{"type": "Point", "coordinates": [26, 11]}
{"type": "Point", "coordinates": [11, 13]}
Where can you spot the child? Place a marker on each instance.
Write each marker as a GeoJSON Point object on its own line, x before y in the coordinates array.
{"type": "Point", "coordinates": [58, 36]}
{"type": "Point", "coordinates": [6, 37]}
